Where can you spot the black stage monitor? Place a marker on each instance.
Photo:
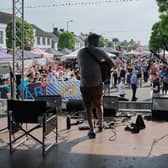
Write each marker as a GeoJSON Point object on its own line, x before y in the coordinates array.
{"type": "Point", "coordinates": [110, 105]}
{"type": "Point", "coordinates": [52, 100]}
{"type": "Point", "coordinates": [160, 108]}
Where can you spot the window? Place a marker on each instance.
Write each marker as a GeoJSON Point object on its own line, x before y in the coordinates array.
{"type": "Point", "coordinates": [48, 41]}
{"type": "Point", "coordinates": [1, 37]}
{"type": "Point", "coordinates": [43, 41]}
{"type": "Point", "coordinates": [38, 40]}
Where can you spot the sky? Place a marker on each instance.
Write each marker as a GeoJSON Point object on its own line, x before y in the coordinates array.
{"type": "Point", "coordinates": [124, 20]}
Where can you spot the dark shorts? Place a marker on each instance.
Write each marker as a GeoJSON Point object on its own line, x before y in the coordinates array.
{"type": "Point", "coordinates": [92, 96]}
{"type": "Point", "coordinates": [139, 75]}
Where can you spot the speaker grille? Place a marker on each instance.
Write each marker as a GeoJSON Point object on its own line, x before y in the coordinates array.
{"type": "Point", "coordinates": [110, 104]}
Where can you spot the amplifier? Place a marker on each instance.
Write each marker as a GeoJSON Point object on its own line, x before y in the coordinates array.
{"type": "Point", "coordinates": [160, 108]}
{"type": "Point", "coordinates": [53, 102]}
{"type": "Point", "coordinates": [74, 105]}
{"type": "Point", "coordinates": [110, 105]}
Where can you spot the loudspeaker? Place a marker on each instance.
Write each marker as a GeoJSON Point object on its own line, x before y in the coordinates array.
{"type": "Point", "coordinates": [160, 108]}
{"type": "Point", "coordinates": [110, 105]}
{"type": "Point", "coordinates": [52, 102]}
{"type": "Point", "coordinates": [74, 105]}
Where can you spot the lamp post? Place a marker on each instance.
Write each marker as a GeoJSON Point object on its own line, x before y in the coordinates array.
{"type": "Point", "coordinates": [67, 24]}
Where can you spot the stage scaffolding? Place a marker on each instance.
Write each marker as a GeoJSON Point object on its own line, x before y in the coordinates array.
{"type": "Point", "coordinates": [18, 13]}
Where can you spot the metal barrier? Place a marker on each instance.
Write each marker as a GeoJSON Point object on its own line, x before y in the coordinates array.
{"type": "Point", "coordinates": [140, 106]}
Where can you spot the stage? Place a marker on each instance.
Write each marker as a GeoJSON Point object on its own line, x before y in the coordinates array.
{"type": "Point", "coordinates": [113, 147]}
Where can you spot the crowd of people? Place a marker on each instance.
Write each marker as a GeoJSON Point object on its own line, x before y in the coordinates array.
{"type": "Point", "coordinates": [131, 72]}
{"type": "Point", "coordinates": [138, 70]}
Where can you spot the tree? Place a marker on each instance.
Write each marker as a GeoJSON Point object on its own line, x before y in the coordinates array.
{"type": "Point", "coordinates": [163, 6]}
{"type": "Point", "coordinates": [159, 35]}
{"type": "Point", "coordinates": [66, 40]}
{"type": "Point", "coordinates": [109, 44]}
{"type": "Point", "coordinates": [102, 42]}
{"type": "Point", "coordinates": [155, 42]}
{"type": "Point", "coordinates": [164, 28]}
{"type": "Point", "coordinates": [127, 45]}
{"type": "Point", "coordinates": [115, 43]}
{"type": "Point", "coordinates": [28, 35]}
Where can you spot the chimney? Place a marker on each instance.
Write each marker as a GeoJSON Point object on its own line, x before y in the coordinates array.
{"type": "Point", "coordinates": [61, 30]}
{"type": "Point", "coordinates": [55, 31]}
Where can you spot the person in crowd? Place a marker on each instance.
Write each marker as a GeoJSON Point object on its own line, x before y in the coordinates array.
{"type": "Point", "coordinates": [72, 76]}
{"type": "Point", "coordinates": [107, 86]}
{"type": "Point", "coordinates": [43, 84]}
{"type": "Point", "coordinates": [139, 73]}
{"type": "Point", "coordinates": [122, 73]}
{"type": "Point", "coordinates": [51, 79]}
{"type": "Point", "coordinates": [145, 71]}
{"type": "Point", "coordinates": [121, 87]}
{"type": "Point", "coordinates": [156, 85]}
{"type": "Point", "coordinates": [77, 74]}
{"type": "Point", "coordinates": [165, 81]}
{"type": "Point", "coordinates": [118, 74]}
{"type": "Point", "coordinates": [42, 70]}
{"type": "Point", "coordinates": [5, 92]}
{"type": "Point", "coordinates": [91, 84]}
{"type": "Point", "coordinates": [67, 74]}
{"type": "Point", "coordinates": [134, 81]}
{"type": "Point", "coordinates": [153, 70]}
{"type": "Point", "coordinates": [115, 78]}
{"type": "Point", "coordinates": [129, 69]}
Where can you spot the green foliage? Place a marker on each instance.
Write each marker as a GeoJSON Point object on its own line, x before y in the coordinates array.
{"type": "Point", "coordinates": [66, 40]}
{"type": "Point", "coordinates": [28, 35]}
{"type": "Point", "coordinates": [127, 45]}
{"type": "Point", "coordinates": [156, 42]}
{"type": "Point", "coordinates": [86, 42]}
{"type": "Point", "coordinates": [102, 42]}
{"type": "Point", "coordinates": [109, 44]}
{"type": "Point", "coordinates": [163, 6]}
{"type": "Point", "coordinates": [159, 35]}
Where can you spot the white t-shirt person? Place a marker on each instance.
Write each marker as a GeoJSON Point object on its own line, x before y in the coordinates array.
{"type": "Point", "coordinates": [121, 88]}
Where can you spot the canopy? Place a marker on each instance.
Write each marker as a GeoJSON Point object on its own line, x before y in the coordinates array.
{"type": "Point", "coordinates": [136, 53]}
{"type": "Point", "coordinates": [162, 53]}
{"type": "Point", "coordinates": [111, 55]}
{"type": "Point", "coordinates": [44, 54]}
{"type": "Point", "coordinates": [54, 52]}
{"type": "Point", "coordinates": [5, 67]}
{"type": "Point", "coordinates": [5, 56]}
{"type": "Point", "coordinates": [74, 54]}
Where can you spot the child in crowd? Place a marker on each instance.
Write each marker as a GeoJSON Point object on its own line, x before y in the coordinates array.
{"type": "Point", "coordinates": [121, 87]}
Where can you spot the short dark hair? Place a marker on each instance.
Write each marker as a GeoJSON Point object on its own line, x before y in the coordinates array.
{"type": "Point", "coordinates": [93, 37]}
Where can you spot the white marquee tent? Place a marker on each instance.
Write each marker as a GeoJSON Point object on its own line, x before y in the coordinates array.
{"type": "Point", "coordinates": [74, 54]}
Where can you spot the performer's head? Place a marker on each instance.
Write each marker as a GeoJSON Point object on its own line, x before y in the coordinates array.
{"type": "Point", "coordinates": [93, 39]}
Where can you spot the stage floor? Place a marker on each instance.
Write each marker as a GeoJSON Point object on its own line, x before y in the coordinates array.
{"type": "Point", "coordinates": [112, 148]}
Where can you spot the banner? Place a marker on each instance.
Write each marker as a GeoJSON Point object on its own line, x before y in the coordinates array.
{"type": "Point", "coordinates": [67, 89]}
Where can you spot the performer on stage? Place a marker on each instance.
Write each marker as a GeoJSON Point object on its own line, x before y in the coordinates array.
{"type": "Point", "coordinates": [91, 84]}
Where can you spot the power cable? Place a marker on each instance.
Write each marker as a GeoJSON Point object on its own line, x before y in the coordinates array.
{"type": "Point", "coordinates": [65, 4]}
{"type": "Point", "coordinates": [155, 141]}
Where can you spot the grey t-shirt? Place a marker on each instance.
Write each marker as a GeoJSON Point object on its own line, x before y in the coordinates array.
{"type": "Point", "coordinates": [90, 72]}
